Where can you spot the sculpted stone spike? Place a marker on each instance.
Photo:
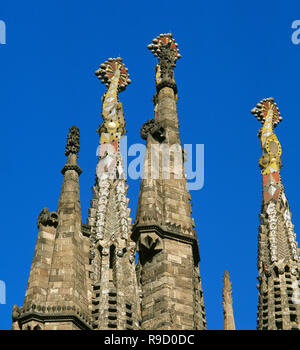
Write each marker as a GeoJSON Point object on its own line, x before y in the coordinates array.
{"type": "Point", "coordinates": [73, 141]}
{"type": "Point", "coordinates": [72, 150]}
{"type": "Point", "coordinates": [278, 252]}
{"type": "Point", "coordinates": [15, 317]}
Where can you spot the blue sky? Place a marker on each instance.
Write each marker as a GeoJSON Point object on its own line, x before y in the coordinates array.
{"type": "Point", "coordinates": [234, 53]}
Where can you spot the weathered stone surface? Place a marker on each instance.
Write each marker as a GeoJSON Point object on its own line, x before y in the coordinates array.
{"type": "Point", "coordinates": [57, 285]}
{"type": "Point", "coordinates": [169, 276]}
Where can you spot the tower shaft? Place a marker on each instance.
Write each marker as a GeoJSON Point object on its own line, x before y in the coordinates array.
{"type": "Point", "coordinates": [169, 277]}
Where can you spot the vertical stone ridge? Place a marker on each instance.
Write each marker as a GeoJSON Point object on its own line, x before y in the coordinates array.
{"type": "Point", "coordinates": [115, 292]}
{"type": "Point", "coordinates": [278, 253]}
{"type": "Point", "coordinates": [172, 296]}
{"type": "Point", "coordinates": [229, 323]}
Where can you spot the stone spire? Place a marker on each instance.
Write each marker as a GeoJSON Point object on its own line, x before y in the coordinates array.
{"type": "Point", "coordinates": [278, 253]}
{"type": "Point", "coordinates": [227, 303]}
{"type": "Point", "coordinates": [37, 287]}
{"type": "Point", "coordinates": [164, 228]}
{"type": "Point", "coordinates": [56, 296]}
{"type": "Point", "coordinates": [115, 293]}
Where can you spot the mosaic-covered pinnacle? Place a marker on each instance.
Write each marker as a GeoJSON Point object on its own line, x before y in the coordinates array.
{"type": "Point", "coordinates": [264, 108]}
{"type": "Point", "coordinates": [162, 43]}
{"type": "Point", "coordinates": [107, 70]}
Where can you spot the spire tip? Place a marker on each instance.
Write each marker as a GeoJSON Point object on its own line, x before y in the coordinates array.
{"type": "Point", "coordinates": [264, 108]}
{"type": "Point", "coordinates": [107, 70]}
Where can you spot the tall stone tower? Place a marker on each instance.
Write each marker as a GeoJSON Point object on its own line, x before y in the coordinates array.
{"type": "Point", "coordinates": [168, 270]}
{"type": "Point", "coordinates": [115, 292]}
{"type": "Point", "coordinates": [278, 253]}
{"type": "Point", "coordinates": [56, 295]}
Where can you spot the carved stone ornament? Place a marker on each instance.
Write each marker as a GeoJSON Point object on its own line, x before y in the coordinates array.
{"type": "Point", "coordinates": [154, 128]}
{"type": "Point", "coordinates": [73, 141]}
{"type": "Point", "coordinates": [151, 242]}
{"type": "Point", "coordinates": [71, 167]}
{"type": "Point", "coordinates": [262, 109]}
{"type": "Point", "coordinates": [47, 218]}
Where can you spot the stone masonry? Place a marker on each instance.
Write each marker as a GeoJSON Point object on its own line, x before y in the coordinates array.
{"type": "Point", "coordinates": [110, 274]}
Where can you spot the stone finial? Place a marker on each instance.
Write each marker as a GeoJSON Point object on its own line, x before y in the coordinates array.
{"type": "Point", "coordinates": [15, 318]}
{"type": "Point", "coordinates": [72, 150]}
{"type": "Point", "coordinates": [15, 312]}
{"type": "Point", "coordinates": [165, 48]}
{"type": "Point", "coordinates": [73, 141]}
{"type": "Point", "coordinates": [107, 70]}
{"type": "Point", "coordinates": [153, 127]}
{"type": "Point", "coordinates": [47, 218]}
{"type": "Point", "coordinates": [227, 303]}
{"type": "Point", "coordinates": [227, 288]}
